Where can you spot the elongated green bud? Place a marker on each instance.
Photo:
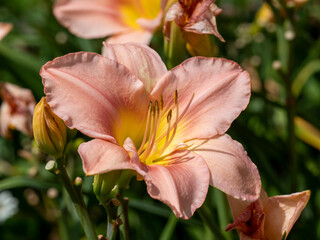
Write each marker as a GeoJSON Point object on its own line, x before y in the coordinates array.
{"type": "Point", "coordinates": [104, 183]}
{"type": "Point", "coordinates": [49, 130]}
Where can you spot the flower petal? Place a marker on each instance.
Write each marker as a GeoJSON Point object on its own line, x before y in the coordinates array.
{"type": "Point", "coordinates": [181, 184]}
{"type": "Point", "coordinates": [99, 156]}
{"type": "Point", "coordinates": [282, 212]}
{"type": "Point", "coordinates": [174, 13]}
{"type": "Point", "coordinates": [221, 91]}
{"type": "Point", "coordinates": [16, 109]}
{"type": "Point", "coordinates": [203, 19]}
{"type": "Point", "coordinates": [230, 167]}
{"type": "Point", "coordinates": [5, 28]}
{"type": "Point", "coordinates": [90, 18]}
{"type": "Point", "coordinates": [94, 94]}
{"type": "Point", "coordinates": [143, 61]}
{"type": "Point", "coordinates": [5, 117]}
{"type": "Point", "coordinates": [137, 36]}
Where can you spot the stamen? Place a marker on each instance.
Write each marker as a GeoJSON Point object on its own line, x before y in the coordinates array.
{"type": "Point", "coordinates": [146, 129]}
{"type": "Point", "coordinates": [153, 130]}
{"type": "Point", "coordinates": [175, 126]}
{"type": "Point", "coordinates": [169, 127]}
{"type": "Point", "coordinates": [176, 97]}
{"type": "Point", "coordinates": [161, 103]}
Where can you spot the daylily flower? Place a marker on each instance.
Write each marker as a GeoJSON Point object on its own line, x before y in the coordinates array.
{"type": "Point", "coordinates": [5, 28]}
{"type": "Point", "coordinates": [167, 126]}
{"type": "Point", "coordinates": [16, 109]}
{"type": "Point", "coordinates": [125, 20]}
{"type": "Point", "coordinates": [196, 19]}
{"type": "Point", "coordinates": [268, 218]}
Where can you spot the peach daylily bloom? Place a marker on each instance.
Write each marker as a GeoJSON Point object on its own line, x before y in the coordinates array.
{"type": "Point", "coordinates": [5, 28]}
{"type": "Point", "coordinates": [16, 109]}
{"type": "Point", "coordinates": [167, 126]}
{"type": "Point", "coordinates": [269, 218]}
{"type": "Point", "coordinates": [125, 20]}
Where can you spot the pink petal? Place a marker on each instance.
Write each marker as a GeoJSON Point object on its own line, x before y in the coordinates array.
{"type": "Point", "coordinates": [230, 167]}
{"type": "Point", "coordinates": [182, 184]}
{"type": "Point", "coordinates": [221, 91]}
{"type": "Point", "coordinates": [16, 110]}
{"type": "Point", "coordinates": [238, 206]}
{"type": "Point", "coordinates": [91, 93]}
{"type": "Point", "coordinates": [143, 61]}
{"type": "Point", "coordinates": [203, 19]}
{"type": "Point", "coordinates": [5, 28]}
{"type": "Point", "coordinates": [99, 156]}
{"type": "Point", "coordinates": [5, 116]}
{"type": "Point", "coordinates": [137, 36]}
{"type": "Point", "coordinates": [174, 13]}
{"type": "Point", "coordinates": [150, 24]}
{"type": "Point", "coordinates": [282, 212]}
{"type": "Point", "coordinates": [90, 18]}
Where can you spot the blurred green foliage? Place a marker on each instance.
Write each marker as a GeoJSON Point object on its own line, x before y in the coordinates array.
{"type": "Point", "coordinates": [262, 128]}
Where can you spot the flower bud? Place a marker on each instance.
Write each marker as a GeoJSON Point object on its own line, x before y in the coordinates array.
{"type": "Point", "coordinates": [104, 183]}
{"type": "Point", "coordinates": [49, 130]}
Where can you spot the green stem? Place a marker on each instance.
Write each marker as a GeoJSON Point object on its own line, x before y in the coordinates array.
{"type": "Point", "coordinates": [77, 200]}
{"type": "Point", "coordinates": [291, 109]}
{"type": "Point", "coordinates": [111, 208]}
{"type": "Point", "coordinates": [125, 203]}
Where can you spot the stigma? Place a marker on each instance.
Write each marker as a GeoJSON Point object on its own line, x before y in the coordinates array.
{"type": "Point", "coordinates": [160, 130]}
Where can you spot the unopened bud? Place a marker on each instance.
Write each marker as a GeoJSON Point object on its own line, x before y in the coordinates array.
{"type": "Point", "coordinates": [49, 130]}
{"type": "Point", "coordinates": [104, 183]}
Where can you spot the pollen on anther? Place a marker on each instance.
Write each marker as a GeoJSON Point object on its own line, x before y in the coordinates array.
{"type": "Point", "coordinates": [161, 102]}
{"type": "Point", "coordinates": [176, 97]}
{"type": "Point", "coordinates": [169, 116]}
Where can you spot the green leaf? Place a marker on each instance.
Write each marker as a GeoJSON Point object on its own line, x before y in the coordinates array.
{"type": "Point", "coordinates": [221, 200]}
{"type": "Point", "coordinates": [305, 73]}
{"type": "Point", "coordinates": [169, 228]}
{"type": "Point", "coordinates": [21, 181]}
{"type": "Point", "coordinates": [307, 132]}
{"type": "Point", "coordinates": [148, 207]}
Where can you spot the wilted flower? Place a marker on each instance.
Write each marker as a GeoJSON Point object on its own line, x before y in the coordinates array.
{"type": "Point", "coordinates": [16, 109]}
{"type": "Point", "coordinates": [50, 132]}
{"type": "Point", "coordinates": [8, 206]}
{"type": "Point", "coordinates": [167, 126]}
{"type": "Point", "coordinates": [196, 19]}
{"type": "Point", "coordinates": [5, 28]}
{"type": "Point", "coordinates": [268, 218]}
{"type": "Point", "coordinates": [126, 21]}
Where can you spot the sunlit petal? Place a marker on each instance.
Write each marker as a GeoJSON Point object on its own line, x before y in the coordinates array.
{"type": "Point", "coordinates": [182, 184]}
{"type": "Point", "coordinates": [144, 62]}
{"type": "Point", "coordinates": [89, 18]}
{"type": "Point", "coordinates": [101, 156]}
{"type": "Point", "coordinates": [230, 167]}
{"type": "Point", "coordinates": [282, 213]}
{"type": "Point", "coordinates": [92, 93]}
{"type": "Point", "coordinates": [221, 91]}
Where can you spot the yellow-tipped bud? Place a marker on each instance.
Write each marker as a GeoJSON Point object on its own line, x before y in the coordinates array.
{"type": "Point", "coordinates": [49, 130]}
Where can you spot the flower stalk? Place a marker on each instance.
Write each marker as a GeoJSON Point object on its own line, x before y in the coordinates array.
{"type": "Point", "coordinates": [75, 194]}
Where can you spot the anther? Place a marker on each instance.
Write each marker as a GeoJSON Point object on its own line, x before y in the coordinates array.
{"type": "Point", "coordinates": [169, 116]}
{"type": "Point", "coordinates": [161, 102]}
{"type": "Point", "coordinates": [176, 97]}
{"type": "Point", "coordinates": [156, 106]}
